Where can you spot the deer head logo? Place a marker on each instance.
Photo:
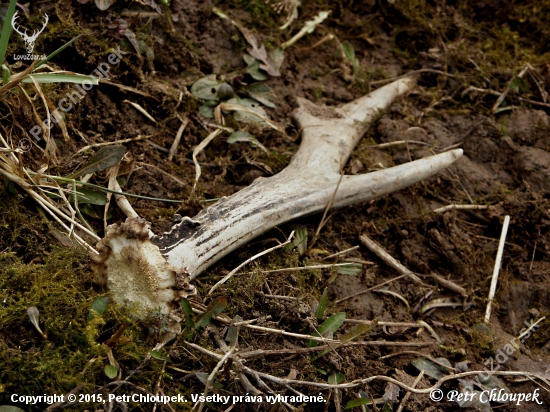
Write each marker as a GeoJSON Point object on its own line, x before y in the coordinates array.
{"type": "Point", "coordinates": [29, 40]}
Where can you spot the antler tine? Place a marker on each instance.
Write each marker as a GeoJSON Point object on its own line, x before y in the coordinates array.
{"type": "Point", "coordinates": [15, 17]}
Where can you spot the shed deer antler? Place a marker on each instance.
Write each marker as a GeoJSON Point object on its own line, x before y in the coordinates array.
{"type": "Point", "coordinates": [143, 271]}
{"type": "Point", "coordinates": [29, 40]}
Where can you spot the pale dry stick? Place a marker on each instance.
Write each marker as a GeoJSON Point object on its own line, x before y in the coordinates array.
{"type": "Point", "coordinates": [122, 202]}
{"type": "Point", "coordinates": [329, 265]}
{"type": "Point", "coordinates": [212, 375]}
{"type": "Point", "coordinates": [507, 89]}
{"type": "Point", "coordinates": [168, 175]}
{"type": "Point", "coordinates": [358, 382]}
{"type": "Point", "coordinates": [341, 252]}
{"type": "Point", "coordinates": [460, 207]}
{"type": "Point", "coordinates": [449, 285]}
{"type": "Point", "coordinates": [140, 109]}
{"type": "Point", "coordinates": [200, 147]}
{"type": "Point", "coordinates": [298, 351]}
{"type": "Point", "coordinates": [131, 139]}
{"type": "Point", "coordinates": [383, 323]}
{"type": "Point", "coordinates": [126, 88]}
{"type": "Point", "coordinates": [175, 144]}
{"type": "Point", "coordinates": [294, 335]}
{"type": "Point", "coordinates": [246, 262]}
{"type": "Point", "coordinates": [408, 394]}
{"type": "Point", "coordinates": [329, 205]}
{"type": "Point", "coordinates": [528, 331]}
{"type": "Point", "coordinates": [386, 257]}
{"type": "Point", "coordinates": [280, 297]}
{"type": "Point", "coordinates": [496, 269]}
{"type": "Point", "coordinates": [362, 292]}
{"type": "Point", "coordinates": [397, 143]}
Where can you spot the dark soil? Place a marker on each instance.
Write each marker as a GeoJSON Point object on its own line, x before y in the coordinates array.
{"type": "Point", "coordinates": [506, 166]}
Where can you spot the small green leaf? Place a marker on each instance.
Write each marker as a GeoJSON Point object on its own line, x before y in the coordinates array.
{"type": "Point", "coordinates": [241, 136]}
{"type": "Point", "coordinates": [60, 78]}
{"type": "Point", "coordinates": [188, 317]}
{"type": "Point", "coordinates": [105, 158]}
{"type": "Point", "coordinates": [254, 68]}
{"type": "Point", "coordinates": [159, 355]}
{"type": "Point", "coordinates": [387, 407]}
{"type": "Point", "coordinates": [430, 368]}
{"type": "Point", "coordinates": [320, 312]}
{"type": "Point", "coordinates": [356, 403]}
{"type": "Point", "coordinates": [262, 93]}
{"type": "Point", "coordinates": [518, 84]}
{"type": "Point", "coordinates": [336, 378]}
{"type": "Point", "coordinates": [6, 75]}
{"type": "Point", "coordinates": [330, 325]}
{"type": "Point", "coordinates": [300, 241]}
{"type": "Point", "coordinates": [348, 50]}
{"type": "Point", "coordinates": [90, 196]}
{"type": "Point", "coordinates": [207, 109]}
{"type": "Point", "coordinates": [353, 269]}
{"type": "Point", "coordinates": [98, 307]}
{"type": "Point", "coordinates": [110, 371]}
{"type": "Point", "coordinates": [278, 56]}
{"type": "Point", "coordinates": [214, 309]}
{"type": "Point", "coordinates": [206, 88]}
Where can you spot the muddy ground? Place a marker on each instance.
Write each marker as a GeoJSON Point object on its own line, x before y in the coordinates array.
{"type": "Point", "coordinates": [464, 54]}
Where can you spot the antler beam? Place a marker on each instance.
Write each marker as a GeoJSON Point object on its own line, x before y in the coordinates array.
{"type": "Point", "coordinates": [143, 271]}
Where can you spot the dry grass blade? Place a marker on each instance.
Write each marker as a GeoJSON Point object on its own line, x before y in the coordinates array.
{"type": "Point", "coordinates": [246, 262]}
{"type": "Point", "coordinates": [196, 152]}
{"type": "Point", "coordinates": [238, 107]}
{"type": "Point", "coordinates": [175, 144]}
{"type": "Point", "coordinates": [140, 109]}
{"type": "Point", "coordinates": [117, 142]}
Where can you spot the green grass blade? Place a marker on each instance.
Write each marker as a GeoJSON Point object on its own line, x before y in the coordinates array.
{"type": "Point", "coordinates": [55, 53]}
{"type": "Point", "coordinates": [6, 30]}
{"type": "Point", "coordinates": [60, 78]}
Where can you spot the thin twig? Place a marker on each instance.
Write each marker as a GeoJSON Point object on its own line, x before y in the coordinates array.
{"type": "Point", "coordinates": [312, 267]}
{"type": "Point", "coordinates": [496, 269]}
{"type": "Point", "coordinates": [246, 262]}
{"type": "Point", "coordinates": [408, 394]}
{"type": "Point", "coordinates": [460, 207]}
{"type": "Point", "coordinates": [386, 257]}
{"type": "Point", "coordinates": [341, 253]}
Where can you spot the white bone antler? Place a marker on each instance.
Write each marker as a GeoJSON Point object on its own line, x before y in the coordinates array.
{"type": "Point", "coordinates": [29, 40]}
{"type": "Point", "coordinates": [142, 270]}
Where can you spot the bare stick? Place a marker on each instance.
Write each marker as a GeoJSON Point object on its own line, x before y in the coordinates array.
{"type": "Point", "coordinates": [386, 257]}
{"type": "Point", "coordinates": [449, 285]}
{"type": "Point", "coordinates": [340, 253]}
{"type": "Point", "coordinates": [312, 267]}
{"type": "Point", "coordinates": [460, 207]}
{"type": "Point", "coordinates": [246, 262]}
{"type": "Point", "coordinates": [498, 260]}
{"type": "Point", "coordinates": [210, 380]}
{"type": "Point", "coordinates": [175, 144]}
{"type": "Point", "coordinates": [408, 394]}
{"type": "Point", "coordinates": [370, 289]}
